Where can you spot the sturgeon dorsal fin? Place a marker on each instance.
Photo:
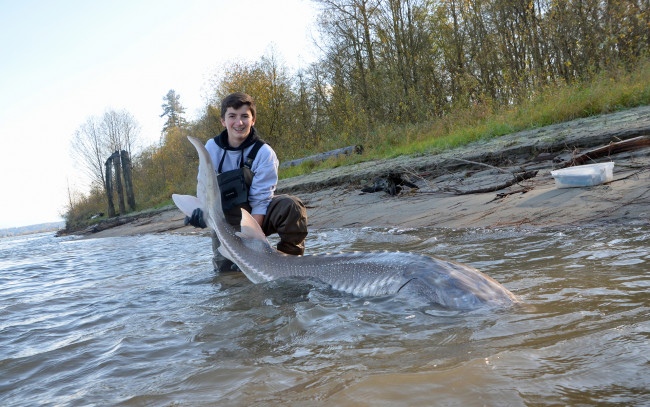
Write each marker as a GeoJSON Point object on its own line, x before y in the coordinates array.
{"type": "Point", "coordinates": [250, 229]}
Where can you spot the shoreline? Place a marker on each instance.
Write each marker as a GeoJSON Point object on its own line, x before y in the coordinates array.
{"type": "Point", "coordinates": [456, 188]}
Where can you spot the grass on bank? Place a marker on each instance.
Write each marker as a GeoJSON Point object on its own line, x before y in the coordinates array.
{"type": "Point", "coordinates": [607, 92]}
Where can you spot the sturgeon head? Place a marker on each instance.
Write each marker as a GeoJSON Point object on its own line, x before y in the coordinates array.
{"type": "Point", "coordinates": [438, 281]}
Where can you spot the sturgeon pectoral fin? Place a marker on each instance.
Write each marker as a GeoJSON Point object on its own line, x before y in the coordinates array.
{"type": "Point", "coordinates": [225, 253]}
{"type": "Point", "coordinates": [187, 203]}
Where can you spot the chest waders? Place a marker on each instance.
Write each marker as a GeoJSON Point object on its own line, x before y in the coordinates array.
{"type": "Point", "coordinates": [234, 185]}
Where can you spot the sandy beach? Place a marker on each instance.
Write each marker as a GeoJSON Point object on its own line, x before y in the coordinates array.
{"type": "Point", "coordinates": [468, 187]}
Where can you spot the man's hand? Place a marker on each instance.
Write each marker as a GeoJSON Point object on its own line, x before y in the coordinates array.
{"type": "Point", "coordinates": [196, 219]}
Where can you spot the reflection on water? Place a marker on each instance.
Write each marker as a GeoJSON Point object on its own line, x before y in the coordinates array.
{"type": "Point", "coordinates": [145, 321]}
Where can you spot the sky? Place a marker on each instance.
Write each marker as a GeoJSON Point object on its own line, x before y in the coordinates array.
{"type": "Point", "coordinates": [64, 61]}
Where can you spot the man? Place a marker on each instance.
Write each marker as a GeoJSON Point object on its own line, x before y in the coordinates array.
{"type": "Point", "coordinates": [247, 172]}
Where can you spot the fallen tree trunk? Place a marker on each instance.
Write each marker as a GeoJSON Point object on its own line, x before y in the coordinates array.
{"type": "Point", "coordinates": [517, 178]}
{"type": "Point", "coordinates": [358, 149]}
{"type": "Point", "coordinates": [612, 148]}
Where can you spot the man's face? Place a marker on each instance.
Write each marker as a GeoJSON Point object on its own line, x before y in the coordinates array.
{"type": "Point", "coordinates": [238, 122]}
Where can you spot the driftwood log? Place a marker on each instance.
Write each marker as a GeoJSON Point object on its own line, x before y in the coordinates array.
{"type": "Point", "coordinates": [517, 177]}
{"type": "Point", "coordinates": [612, 148]}
{"type": "Point", "coordinates": [358, 149]}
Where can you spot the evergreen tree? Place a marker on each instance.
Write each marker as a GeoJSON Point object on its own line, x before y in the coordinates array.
{"type": "Point", "coordinates": [173, 110]}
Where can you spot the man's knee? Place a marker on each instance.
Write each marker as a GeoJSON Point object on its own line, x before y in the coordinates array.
{"type": "Point", "coordinates": [287, 216]}
{"type": "Point", "coordinates": [286, 213]}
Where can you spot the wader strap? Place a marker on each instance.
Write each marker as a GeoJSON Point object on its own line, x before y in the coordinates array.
{"type": "Point", "coordinates": [253, 153]}
{"type": "Point", "coordinates": [249, 160]}
{"type": "Point", "coordinates": [223, 157]}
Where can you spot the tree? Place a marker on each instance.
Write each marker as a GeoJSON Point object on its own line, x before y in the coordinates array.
{"type": "Point", "coordinates": [98, 140]}
{"type": "Point", "coordinates": [173, 110]}
{"type": "Point", "coordinates": [120, 130]}
{"type": "Point", "coordinates": [409, 60]}
{"type": "Point", "coordinates": [88, 149]}
{"type": "Point", "coordinates": [270, 85]}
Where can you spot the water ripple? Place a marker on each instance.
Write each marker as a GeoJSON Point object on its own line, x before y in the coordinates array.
{"type": "Point", "coordinates": [144, 320]}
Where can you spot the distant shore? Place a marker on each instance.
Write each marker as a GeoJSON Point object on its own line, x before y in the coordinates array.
{"type": "Point", "coordinates": [32, 229]}
{"type": "Point", "coordinates": [456, 188]}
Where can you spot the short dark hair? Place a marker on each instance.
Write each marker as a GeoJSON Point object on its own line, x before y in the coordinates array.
{"type": "Point", "coordinates": [237, 100]}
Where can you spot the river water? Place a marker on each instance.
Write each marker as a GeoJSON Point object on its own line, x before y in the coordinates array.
{"type": "Point", "coordinates": [144, 321]}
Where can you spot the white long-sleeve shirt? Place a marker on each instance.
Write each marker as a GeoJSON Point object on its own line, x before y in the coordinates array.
{"type": "Point", "coordinates": [265, 167]}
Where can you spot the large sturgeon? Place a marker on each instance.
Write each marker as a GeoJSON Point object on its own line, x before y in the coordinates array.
{"type": "Point", "coordinates": [450, 284]}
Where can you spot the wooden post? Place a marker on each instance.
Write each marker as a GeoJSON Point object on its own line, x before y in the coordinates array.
{"type": "Point", "coordinates": [109, 187]}
{"type": "Point", "coordinates": [118, 181]}
{"type": "Point", "coordinates": [128, 180]}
